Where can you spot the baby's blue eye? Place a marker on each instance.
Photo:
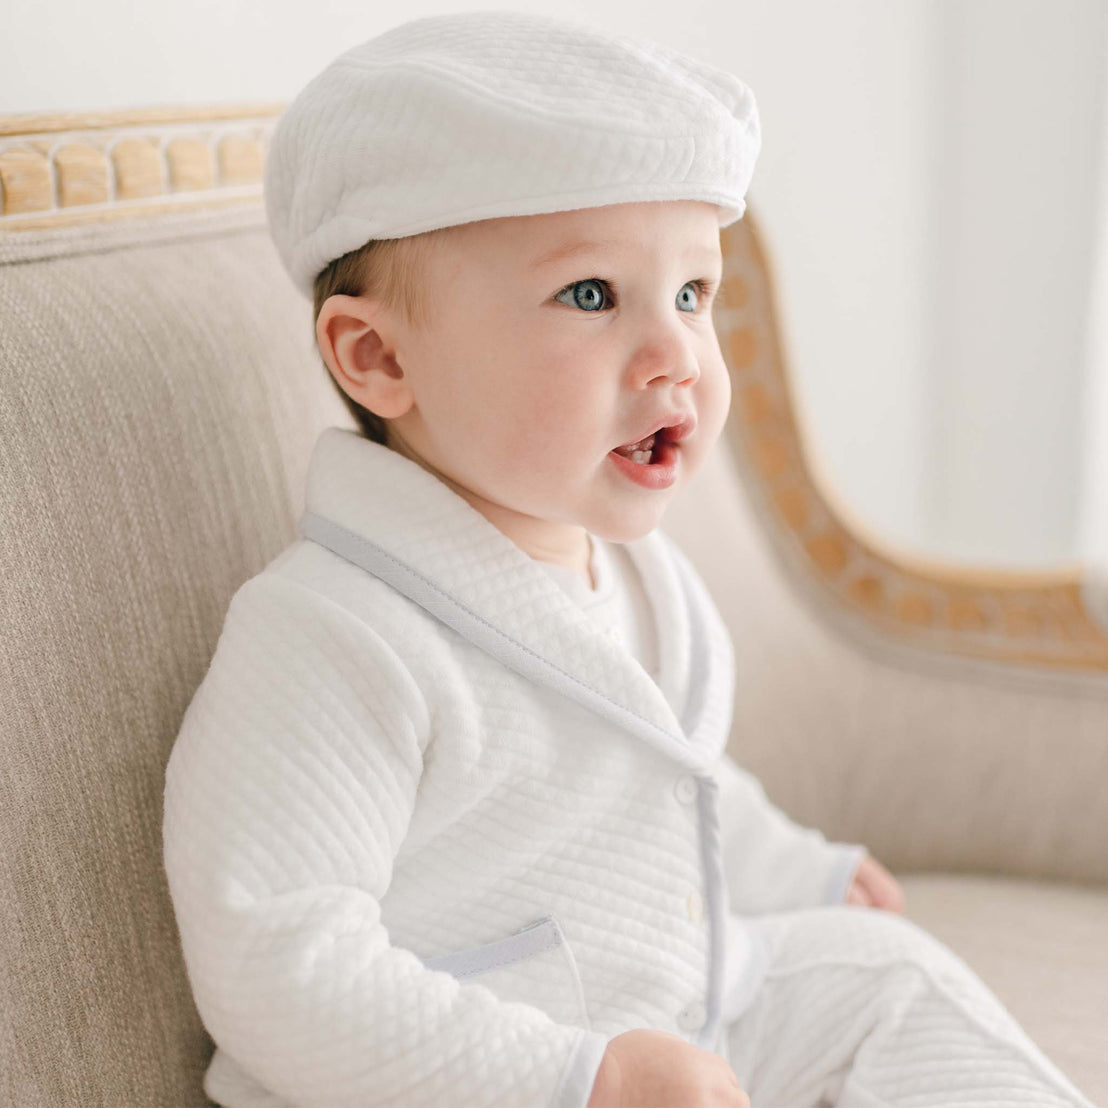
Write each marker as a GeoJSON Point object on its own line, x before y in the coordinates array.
{"type": "Point", "coordinates": [690, 285]}
{"type": "Point", "coordinates": [589, 294]}
{"type": "Point", "coordinates": [586, 294]}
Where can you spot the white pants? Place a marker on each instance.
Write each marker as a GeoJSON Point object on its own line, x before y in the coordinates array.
{"type": "Point", "coordinates": [863, 1008]}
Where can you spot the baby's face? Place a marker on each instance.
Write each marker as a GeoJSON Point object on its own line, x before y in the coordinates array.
{"type": "Point", "coordinates": [532, 371]}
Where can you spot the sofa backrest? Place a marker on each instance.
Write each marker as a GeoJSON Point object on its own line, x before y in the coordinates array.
{"type": "Point", "coordinates": [159, 397]}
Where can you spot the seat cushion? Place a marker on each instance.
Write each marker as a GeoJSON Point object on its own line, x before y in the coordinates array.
{"type": "Point", "coordinates": [1041, 948]}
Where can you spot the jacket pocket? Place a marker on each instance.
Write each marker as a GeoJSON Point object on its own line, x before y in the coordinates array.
{"type": "Point", "coordinates": [535, 965]}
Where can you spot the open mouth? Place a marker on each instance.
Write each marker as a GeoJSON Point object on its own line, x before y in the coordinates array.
{"type": "Point", "coordinates": [653, 461]}
{"type": "Point", "coordinates": [645, 452]}
{"type": "Point", "coordinates": [659, 446]}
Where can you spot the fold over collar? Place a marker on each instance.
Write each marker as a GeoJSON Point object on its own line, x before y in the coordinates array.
{"type": "Point", "coordinates": [388, 514]}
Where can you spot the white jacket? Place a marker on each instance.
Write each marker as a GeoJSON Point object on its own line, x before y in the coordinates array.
{"type": "Point", "coordinates": [433, 838]}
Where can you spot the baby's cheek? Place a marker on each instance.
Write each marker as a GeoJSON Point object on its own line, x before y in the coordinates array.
{"type": "Point", "coordinates": [717, 394]}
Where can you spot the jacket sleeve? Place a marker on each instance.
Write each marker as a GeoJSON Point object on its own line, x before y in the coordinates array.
{"type": "Point", "coordinates": [773, 864]}
{"type": "Point", "coordinates": [288, 792]}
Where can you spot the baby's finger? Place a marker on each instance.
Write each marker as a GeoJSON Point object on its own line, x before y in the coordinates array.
{"type": "Point", "coordinates": [897, 901]}
{"type": "Point", "coordinates": [857, 895]}
{"type": "Point", "coordinates": [886, 889]}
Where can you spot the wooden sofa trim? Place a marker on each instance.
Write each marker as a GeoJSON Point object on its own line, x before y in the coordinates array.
{"type": "Point", "coordinates": [66, 169]}
{"type": "Point", "coordinates": [1038, 618]}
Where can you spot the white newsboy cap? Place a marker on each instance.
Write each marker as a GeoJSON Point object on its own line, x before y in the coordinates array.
{"type": "Point", "coordinates": [474, 115]}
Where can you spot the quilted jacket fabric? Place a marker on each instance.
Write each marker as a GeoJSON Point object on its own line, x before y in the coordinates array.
{"type": "Point", "coordinates": [434, 838]}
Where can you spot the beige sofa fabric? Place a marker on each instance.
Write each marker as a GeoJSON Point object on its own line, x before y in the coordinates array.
{"type": "Point", "coordinates": [159, 397]}
{"type": "Point", "coordinates": [1040, 947]}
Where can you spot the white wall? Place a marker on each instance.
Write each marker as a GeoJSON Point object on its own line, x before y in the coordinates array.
{"type": "Point", "coordinates": [928, 187]}
{"type": "Point", "coordinates": [842, 190]}
{"type": "Point", "coordinates": [1093, 543]}
{"type": "Point", "coordinates": [1015, 200]}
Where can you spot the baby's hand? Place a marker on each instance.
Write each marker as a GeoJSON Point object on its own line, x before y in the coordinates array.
{"type": "Point", "coordinates": [875, 887]}
{"type": "Point", "coordinates": [644, 1068]}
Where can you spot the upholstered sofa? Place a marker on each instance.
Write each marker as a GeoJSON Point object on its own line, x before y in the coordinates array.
{"type": "Point", "coordinates": [159, 397]}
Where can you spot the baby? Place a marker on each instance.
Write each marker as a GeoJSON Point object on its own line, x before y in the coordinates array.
{"type": "Point", "coordinates": [450, 821]}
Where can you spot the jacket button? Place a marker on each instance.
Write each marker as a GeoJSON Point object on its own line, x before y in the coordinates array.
{"type": "Point", "coordinates": [685, 789]}
{"type": "Point", "coordinates": [692, 1017]}
{"type": "Point", "coordinates": [696, 906]}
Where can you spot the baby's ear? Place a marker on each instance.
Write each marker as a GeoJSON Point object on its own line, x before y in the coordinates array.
{"type": "Point", "coordinates": [338, 316]}
{"type": "Point", "coordinates": [355, 339]}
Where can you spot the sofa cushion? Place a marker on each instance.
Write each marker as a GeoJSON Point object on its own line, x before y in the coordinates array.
{"type": "Point", "coordinates": [1041, 947]}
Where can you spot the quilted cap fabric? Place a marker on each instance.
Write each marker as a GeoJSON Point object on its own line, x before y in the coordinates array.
{"type": "Point", "coordinates": [475, 115]}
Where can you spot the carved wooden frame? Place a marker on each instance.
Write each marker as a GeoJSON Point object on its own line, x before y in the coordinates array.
{"type": "Point", "coordinates": [1039, 618]}
{"type": "Point", "coordinates": [61, 170]}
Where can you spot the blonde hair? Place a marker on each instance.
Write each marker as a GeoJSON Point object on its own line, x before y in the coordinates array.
{"type": "Point", "coordinates": [392, 271]}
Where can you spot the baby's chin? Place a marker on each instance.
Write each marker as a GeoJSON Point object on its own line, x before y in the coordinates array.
{"type": "Point", "coordinates": [627, 526]}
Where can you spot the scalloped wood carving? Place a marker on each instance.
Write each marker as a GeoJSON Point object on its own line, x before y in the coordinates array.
{"type": "Point", "coordinates": [65, 169]}
{"type": "Point", "coordinates": [1011, 616]}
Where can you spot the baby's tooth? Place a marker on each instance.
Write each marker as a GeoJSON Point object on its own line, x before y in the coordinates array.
{"type": "Point", "coordinates": [642, 444]}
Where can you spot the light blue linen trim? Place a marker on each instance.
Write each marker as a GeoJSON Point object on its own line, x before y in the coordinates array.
{"type": "Point", "coordinates": [848, 855]}
{"type": "Point", "coordinates": [536, 938]}
{"type": "Point", "coordinates": [369, 556]}
{"type": "Point", "coordinates": [754, 972]}
{"type": "Point", "coordinates": [378, 561]}
{"type": "Point", "coordinates": [579, 1076]}
{"type": "Point", "coordinates": [714, 880]}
